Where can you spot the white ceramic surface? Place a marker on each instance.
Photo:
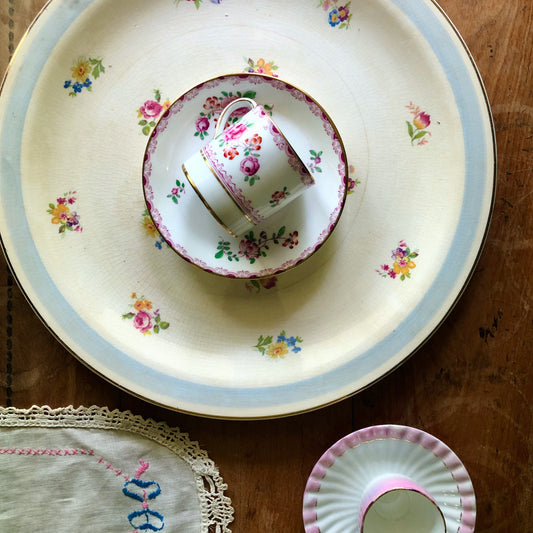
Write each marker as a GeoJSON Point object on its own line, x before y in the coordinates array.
{"type": "Point", "coordinates": [337, 486]}
{"type": "Point", "coordinates": [286, 238]}
{"type": "Point", "coordinates": [418, 134]}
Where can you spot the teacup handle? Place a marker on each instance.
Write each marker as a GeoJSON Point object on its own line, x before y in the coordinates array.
{"type": "Point", "coordinates": [227, 111]}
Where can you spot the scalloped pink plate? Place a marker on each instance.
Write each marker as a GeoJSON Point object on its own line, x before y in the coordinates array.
{"type": "Point", "coordinates": [284, 240]}
{"type": "Point", "coordinates": [335, 487]}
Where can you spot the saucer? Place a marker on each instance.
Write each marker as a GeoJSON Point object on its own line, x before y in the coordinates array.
{"type": "Point", "coordinates": [335, 487]}
{"type": "Point", "coordinates": [284, 240]}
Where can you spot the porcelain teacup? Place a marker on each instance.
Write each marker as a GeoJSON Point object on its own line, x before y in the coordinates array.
{"type": "Point", "coordinates": [248, 171]}
{"type": "Point", "coordinates": [394, 503]}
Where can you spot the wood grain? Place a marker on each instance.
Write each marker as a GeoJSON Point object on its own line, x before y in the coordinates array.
{"type": "Point", "coordinates": [470, 384]}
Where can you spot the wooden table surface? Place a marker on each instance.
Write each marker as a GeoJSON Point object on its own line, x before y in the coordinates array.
{"type": "Point", "coordinates": [471, 385]}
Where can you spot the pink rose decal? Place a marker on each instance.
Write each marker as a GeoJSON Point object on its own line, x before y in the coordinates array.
{"type": "Point", "coordinates": [250, 165]}
{"type": "Point", "coordinates": [202, 124]}
{"type": "Point", "coordinates": [145, 319]}
{"type": "Point", "coordinates": [142, 321]}
{"type": "Point", "coordinates": [151, 109]}
{"type": "Point", "coordinates": [234, 132]}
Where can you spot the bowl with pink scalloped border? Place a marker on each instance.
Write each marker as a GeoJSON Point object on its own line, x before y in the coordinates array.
{"type": "Point", "coordinates": [284, 240]}
{"type": "Point", "coordinates": [336, 485]}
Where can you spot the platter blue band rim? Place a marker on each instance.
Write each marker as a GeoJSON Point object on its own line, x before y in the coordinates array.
{"type": "Point", "coordinates": [180, 392]}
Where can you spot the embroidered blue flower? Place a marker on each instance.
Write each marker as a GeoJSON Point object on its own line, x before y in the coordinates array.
{"type": "Point", "coordinates": [77, 87]}
{"type": "Point", "coordinates": [87, 82]}
{"type": "Point", "coordinates": [153, 521]}
{"type": "Point", "coordinates": [143, 491]}
{"type": "Point", "coordinates": [68, 83]}
{"type": "Point", "coordinates": [142, 485]}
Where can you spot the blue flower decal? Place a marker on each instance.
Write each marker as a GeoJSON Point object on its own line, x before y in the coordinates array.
{"type": "Point", "coordinates": [334, 17]}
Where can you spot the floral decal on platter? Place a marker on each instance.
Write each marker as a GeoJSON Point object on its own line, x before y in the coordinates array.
{"type": "Point", "coordinates": [252, 247]}
{"type": "Point", "coordinates": [151, 230]}
{"type": "Point", "coordinates": [281, 347]}
{"type": "Point", "coordinates": [84, 72]}
{"type": "Point", "coordinates": [145, 318]}
{"type": "Point", "coordinates": [402, 263]}
{"type": "Point", "coordinates": [257, 285]}
{"type": "Point", "coordinates": [418, 126]}
{"type": "Point", "coordinates": [150, 111]}
{"type": "Point", "coordinates": [339, 15]}
{"type": "Point", "coordinates": [351, 183]}
{"type": "Point", "coordinates": [177, 192]}
{"type": "Point", "coordinates": [63, 215]}
{"type": "Point", "coordinates": [261, 67]}
{"type": "Point", "coordinates": [197, 2]}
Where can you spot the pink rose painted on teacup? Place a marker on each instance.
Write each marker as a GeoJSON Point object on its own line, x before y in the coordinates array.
{"type": "Point", "coordinates": [250, 165]}
{"type": "Point", "coordinates": [234, 132]}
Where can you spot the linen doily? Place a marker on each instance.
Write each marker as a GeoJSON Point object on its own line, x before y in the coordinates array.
{"type": "Point", "coordinates": [92, 469]}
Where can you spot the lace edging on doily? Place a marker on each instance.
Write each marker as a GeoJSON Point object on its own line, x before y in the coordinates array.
{"type": "Point", "coordinates": [216, 509]}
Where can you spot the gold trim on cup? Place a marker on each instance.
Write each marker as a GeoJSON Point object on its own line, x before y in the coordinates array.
{"type": "Point", "coordinates": [204, 201]}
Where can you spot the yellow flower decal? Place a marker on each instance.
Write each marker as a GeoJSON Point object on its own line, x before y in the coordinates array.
{"type": "Point", "coordinates": [63, 215]}
{"type": "Point", "coordinates": [261, 66]}
{"type": "Point", "coordinates": [150, 230]}
{"type": "Point", "coordinates": [82, 70]}
{"type": "Point", "coordinates": [402, 257]}
{"type": "Point", "coordinates": [61, 211]}
{"type": "Point", "coordinates": [149, 226]}
{"type": "Point", "coordinates": [277, 350]}
{"type": "Point", "coordinates": [280, 348]}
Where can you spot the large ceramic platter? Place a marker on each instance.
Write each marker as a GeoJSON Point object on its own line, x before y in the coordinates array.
{"type": "Point", "coordinates": [82, 95]}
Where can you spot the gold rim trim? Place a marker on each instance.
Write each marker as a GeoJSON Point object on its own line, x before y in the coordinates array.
{"type": "Point", "coordinates": [204, 201]}
{"type": "Point", "coordinates": [241, 209]}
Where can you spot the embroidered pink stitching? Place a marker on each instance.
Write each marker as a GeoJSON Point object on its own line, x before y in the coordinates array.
{"type": "Point", "coordinates": [45, 451]}
{"type": "Point", "coordinates": [116, 471]}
